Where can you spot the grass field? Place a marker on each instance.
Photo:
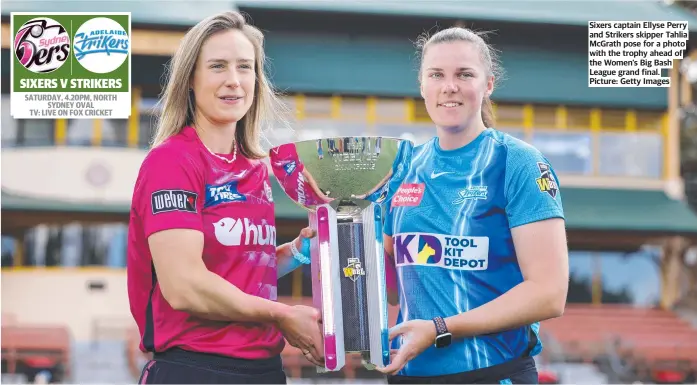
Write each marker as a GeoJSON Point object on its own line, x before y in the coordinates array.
{"type": "Point", "coordinates": [353, 172]}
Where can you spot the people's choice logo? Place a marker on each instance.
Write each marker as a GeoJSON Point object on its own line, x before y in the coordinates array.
{"type": "Point", "coordinates": [445, 251]}
{"type": "Point", "coordinates": [42, 45]}
{"type": "Point", "coordinates": [101, 45]}
{"type": "Point", "coordinates": [236, 232]}
{"type": "Point", "coordinates": [409, 194]}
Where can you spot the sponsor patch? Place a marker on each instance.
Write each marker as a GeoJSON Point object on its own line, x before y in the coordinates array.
{"type": "Point", "coordinates": [243, 231]}
{"type": "Point", "coordinates": [444, 251]}
{"type": "Point", "coordinates": [409, 194]}
{"type": "Point", "coordinates": [223, 193]}
{"type": "Point", "coordinates": [163, 201]}
{"type": "Point", "coordinates": [290, 167]}
{"type": "Point", "coordinates": [475, 192]}
{"type": "Point", "coordinates": [546, 182]}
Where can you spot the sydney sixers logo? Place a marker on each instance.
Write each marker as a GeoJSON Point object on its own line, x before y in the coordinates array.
{"type": "Point", "coordinates": [42, 45]}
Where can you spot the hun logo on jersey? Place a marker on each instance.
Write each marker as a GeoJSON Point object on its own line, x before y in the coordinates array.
{"type": "Point", "coordinates": [242, 231]}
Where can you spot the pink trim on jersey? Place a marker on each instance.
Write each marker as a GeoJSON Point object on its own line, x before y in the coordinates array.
{"type": "Point", "coordinates": [181, 185]}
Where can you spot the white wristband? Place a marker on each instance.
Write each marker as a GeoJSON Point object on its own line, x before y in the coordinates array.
{"type": "Point", "coordinates": [298, 255]}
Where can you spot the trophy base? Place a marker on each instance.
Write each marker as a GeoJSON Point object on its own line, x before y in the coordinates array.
{"type": "Point", "coordinates": [365, 361]}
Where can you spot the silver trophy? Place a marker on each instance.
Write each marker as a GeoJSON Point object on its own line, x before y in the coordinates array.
{"type": "Point", "coordinates": [343, 184]}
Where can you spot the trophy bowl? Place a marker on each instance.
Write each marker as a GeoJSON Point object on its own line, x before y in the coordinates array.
{"type": "Point", "coordinates": [343, 184]}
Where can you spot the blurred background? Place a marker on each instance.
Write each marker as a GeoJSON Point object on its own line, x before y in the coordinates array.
{"type": "Point", "coordinates": [626, 159]}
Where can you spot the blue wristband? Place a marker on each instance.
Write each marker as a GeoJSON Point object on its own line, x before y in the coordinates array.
{"type": "Point", "coordinates": [305, 248]}
{"type": "Point", "coordinates": [301, 257]}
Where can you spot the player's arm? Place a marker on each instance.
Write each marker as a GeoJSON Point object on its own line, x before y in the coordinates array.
{"type": "Point", "coordinates": [314, 186]}
{"type": "Point", "coordinates": [286, 256]}
{"type": "Point", "coordinates": [537, 225]}
{"type": "Point", "coordinates": [286, 263]}
{"type": "Point", "coordinates": [176, 243]}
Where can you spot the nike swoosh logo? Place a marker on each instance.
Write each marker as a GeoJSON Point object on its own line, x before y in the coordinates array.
{"type": "Point", "coordinates": [436, 175]}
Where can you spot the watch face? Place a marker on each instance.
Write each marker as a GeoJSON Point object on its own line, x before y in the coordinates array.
{"type": "Point", "coordinates": [443, 340]}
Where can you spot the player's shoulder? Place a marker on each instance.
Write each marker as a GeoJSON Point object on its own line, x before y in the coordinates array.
{"type": "Point", "coordinates": [427, 147]}
{"type": "Point", "coordinates": [511, 143]}
{"type": "Point", "coordinates": [517, 150]}
{"type": "Point", "coordinates": [176, 150]}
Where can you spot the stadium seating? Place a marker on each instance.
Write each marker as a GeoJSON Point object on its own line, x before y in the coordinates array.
{"type": "Point", "coordinates": [661, 345]}
{"type": "Point", "coordinates": [30, 349]}
{"type": "Point", "coordinates": [649, 339]}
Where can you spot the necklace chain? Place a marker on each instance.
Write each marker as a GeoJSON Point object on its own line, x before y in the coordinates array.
{"type": "Point", "coordinates": [234, 153]}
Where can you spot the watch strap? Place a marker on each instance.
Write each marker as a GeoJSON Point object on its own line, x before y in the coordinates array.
{"type": "Point", "coordinates": [441, 328]}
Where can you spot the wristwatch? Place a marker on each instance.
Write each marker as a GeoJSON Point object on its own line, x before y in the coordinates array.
{"type": "Point", "coordinates": [443, 336]}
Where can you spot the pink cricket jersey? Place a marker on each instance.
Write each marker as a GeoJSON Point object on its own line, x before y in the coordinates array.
{"type": "Point", "coordinates": [182, 185]}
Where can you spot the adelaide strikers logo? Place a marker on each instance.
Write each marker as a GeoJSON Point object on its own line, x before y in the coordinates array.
{"type": "Point", "coordinates": [101, 45]}
{"type": "Point", "coordinates": [42, 45]}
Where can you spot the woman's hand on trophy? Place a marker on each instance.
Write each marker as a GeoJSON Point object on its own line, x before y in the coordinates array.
{"type": "Point", "coordinates": [416, 336]}
{"type": "Point", "coordinates": [301, 328]}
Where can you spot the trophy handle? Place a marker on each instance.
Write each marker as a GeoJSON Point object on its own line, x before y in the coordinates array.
{"type": "Point", "coordinates": [375, 275]}
{"type": "Point", "coordinates": [325, 282]}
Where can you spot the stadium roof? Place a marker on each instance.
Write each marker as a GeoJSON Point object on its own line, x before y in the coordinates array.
{"type": "Point", "coordinates": [573, 12]}
{"type": "Point", "coordinates": [628, 210]}
{"type": "Point", "coordinates": [586, 209]}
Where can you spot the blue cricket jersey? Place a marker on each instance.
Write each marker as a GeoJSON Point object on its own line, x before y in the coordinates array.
{"type": "Point", "coordinates": [451, 220]}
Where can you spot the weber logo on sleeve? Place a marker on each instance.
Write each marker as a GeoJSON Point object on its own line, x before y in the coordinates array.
{"type": "Point", "coordinates": [173, 200]}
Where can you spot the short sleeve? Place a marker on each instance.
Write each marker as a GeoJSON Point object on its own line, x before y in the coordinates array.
{"type": "Point", "coordinates": [531, 188]}
{"type": "Point", "coordinates": [169, 192]}
{"type": "Point", "coordinates": [285, 160]}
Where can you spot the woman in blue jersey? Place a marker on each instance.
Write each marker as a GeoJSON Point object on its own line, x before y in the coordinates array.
{"type": "Point", "coordinates": [475, 231]}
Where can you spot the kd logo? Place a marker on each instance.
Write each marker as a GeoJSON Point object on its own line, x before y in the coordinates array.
{"type": "Point", "coordinates": [428, 249]}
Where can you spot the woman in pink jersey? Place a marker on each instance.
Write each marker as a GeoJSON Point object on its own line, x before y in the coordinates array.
{"type": "Point", "coordinates": [203, 263]}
